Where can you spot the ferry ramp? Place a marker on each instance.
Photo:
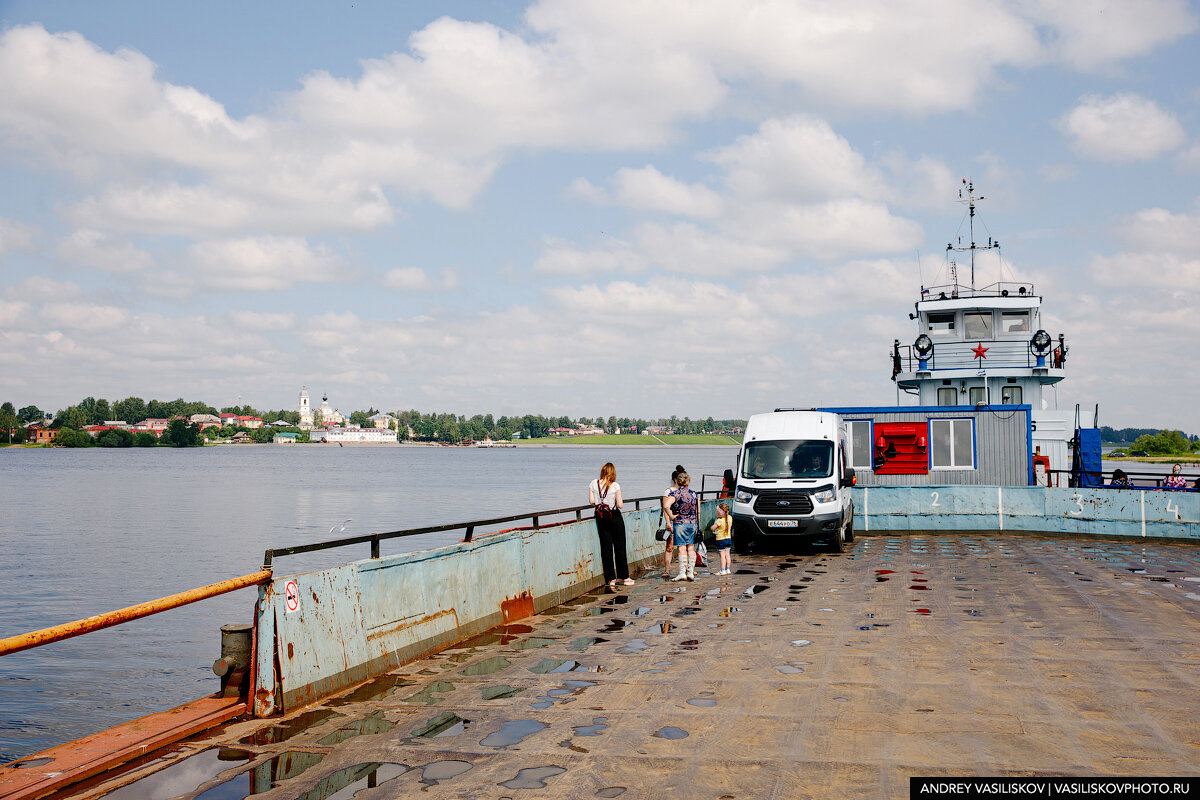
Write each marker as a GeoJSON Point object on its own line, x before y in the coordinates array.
{"type": "Point", "coordinates": [801, 676]}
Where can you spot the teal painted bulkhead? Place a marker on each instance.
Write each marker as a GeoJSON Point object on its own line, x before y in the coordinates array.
{"type": "Point", "coordinates": [369, 617]}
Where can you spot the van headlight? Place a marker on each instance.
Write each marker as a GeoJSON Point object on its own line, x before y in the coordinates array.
{"type": "Point", "coordinates": [743, 496]}
{"type": "Point", "coordinates": [823, 495]}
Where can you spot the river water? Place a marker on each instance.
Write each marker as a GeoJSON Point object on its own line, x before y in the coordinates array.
{"type": "Point", "coordinates": [83, 532]}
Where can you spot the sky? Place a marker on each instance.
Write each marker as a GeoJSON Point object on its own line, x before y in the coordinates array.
{"type": "Point", "coordinates": [586, 207]}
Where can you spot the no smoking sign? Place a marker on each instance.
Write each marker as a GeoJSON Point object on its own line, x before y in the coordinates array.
{"type": "Point", "coordinates": [291, 596]}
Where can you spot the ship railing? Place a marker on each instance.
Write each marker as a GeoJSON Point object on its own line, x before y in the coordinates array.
{"type": "Point", "coordinates": [954, 291]}
{"type": "Point", "coordinates": [1148, 481]}
{"type": "Point", "coordinates": [959, 354]}
{"type": "Point", "coordinates": [68, 630]}
{"type": "Point", "coordinates": [536, 520]}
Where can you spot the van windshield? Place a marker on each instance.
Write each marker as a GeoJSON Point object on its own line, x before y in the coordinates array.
{"type": "Point", "coordinates": [788, 459]}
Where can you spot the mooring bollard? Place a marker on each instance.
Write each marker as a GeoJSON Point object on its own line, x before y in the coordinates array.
{"type": "Point", "coordinates": [234, 664]}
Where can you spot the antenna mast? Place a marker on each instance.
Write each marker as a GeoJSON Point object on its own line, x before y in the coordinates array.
{"type": "Point", "coordinates": [970, 201]}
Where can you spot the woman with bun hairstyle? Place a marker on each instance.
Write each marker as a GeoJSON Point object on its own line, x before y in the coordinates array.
{"type": "Point", "coordinates": [604, 494]}
{"type": "Point", "coordinates": [666, 502]}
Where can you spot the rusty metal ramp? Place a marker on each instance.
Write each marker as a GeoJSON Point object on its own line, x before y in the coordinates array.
{"type": "Point", "coordinates": [806, 675]}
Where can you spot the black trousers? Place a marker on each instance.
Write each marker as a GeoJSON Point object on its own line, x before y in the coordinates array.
{"type": "Point", "coordinates": [612, 547]}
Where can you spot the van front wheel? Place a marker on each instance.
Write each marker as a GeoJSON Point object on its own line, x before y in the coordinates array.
{"type": "Point", "coordinates": [839, 539]}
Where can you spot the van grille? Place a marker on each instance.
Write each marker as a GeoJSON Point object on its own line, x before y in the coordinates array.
{"type": "Point", "coordinates": [783, 502]}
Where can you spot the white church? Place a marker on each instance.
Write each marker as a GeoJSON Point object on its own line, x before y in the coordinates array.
{"type": "Point", "coordinates": [333, 425]}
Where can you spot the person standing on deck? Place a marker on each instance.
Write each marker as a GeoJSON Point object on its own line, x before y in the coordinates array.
{"type": "Point", "coordinates": [604, 494]}
{"type": "Point", "coordinates": [666, 502]}
{"type": "Point", "coordinates": [685, 520]}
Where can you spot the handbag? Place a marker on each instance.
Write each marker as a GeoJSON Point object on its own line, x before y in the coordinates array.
{"type": "Point", "coordinates": [660, 535]}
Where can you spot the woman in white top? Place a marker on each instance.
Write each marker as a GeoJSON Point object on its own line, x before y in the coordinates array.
{"type": "Point", "coordinates": [605, 494]}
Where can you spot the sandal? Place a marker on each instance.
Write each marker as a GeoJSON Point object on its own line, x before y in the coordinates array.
{"type": "Point", "coordinates": [612, 584]}
{"type": "Point", "coordinates": [629, 581]}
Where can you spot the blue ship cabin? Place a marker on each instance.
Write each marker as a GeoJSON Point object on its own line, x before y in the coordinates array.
{"type": "Point", "coordinates": [940, 445]}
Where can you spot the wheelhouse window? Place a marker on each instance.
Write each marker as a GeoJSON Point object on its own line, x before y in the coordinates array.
{"type": "Point", "coordinates": [789, 459]}
{"type": "Point", "coordinates": [860, 443]}
{"type": "Point", "coordinates": [1013, 322]}
{"type": "Point", "coordinates": [952, 443]}
{"type": "Point", "coordinates": [947, 396]}
{"type": "Point", "coordinates": [977, 324]}
{"type": "Point", "coordinates": [977, 395]}
{"type": "Point", "coordinates": [1010, 395]}
{"type": "Point", "coordinates": [941, 325]}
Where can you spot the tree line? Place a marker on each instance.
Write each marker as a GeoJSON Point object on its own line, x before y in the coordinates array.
{"type": "Point", "coordinates": [431, 427]}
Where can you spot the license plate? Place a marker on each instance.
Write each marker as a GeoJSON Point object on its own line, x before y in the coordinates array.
{"type": "Point", "coordinates": [782, 523]}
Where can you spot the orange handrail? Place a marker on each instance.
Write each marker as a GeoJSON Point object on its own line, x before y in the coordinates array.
{"type": "Point", "coordinates": [24, 641]}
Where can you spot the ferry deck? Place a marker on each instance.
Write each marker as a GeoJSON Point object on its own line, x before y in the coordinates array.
{"type": "Point", "coordinates": [806, 675]}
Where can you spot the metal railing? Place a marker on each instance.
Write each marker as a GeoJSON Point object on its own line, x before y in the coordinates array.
{"type": "Point", "coordinates": [1151, 481]}
{"type": "Point", "coordinates": [68, 630]}
{"type": "Point", "coordinates": [374, 539]}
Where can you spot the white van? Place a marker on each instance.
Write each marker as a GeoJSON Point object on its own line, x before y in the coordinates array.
{"type": "Point", "coordinates": [792, 480]}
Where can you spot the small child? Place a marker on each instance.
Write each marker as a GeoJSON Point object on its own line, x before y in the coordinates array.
{"type": "Point", "coordinates": [723, 529]}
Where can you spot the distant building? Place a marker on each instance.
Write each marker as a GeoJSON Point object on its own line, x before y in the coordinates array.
{"type": "Point", "coordinates": [329, 415]}
{"type": "Point", "coordinates": [306, 412]}
{"type": "Point", "coordinates": [383, 421]}
{"type": "Point", "coordinates": [285, 437]}
{"type": "Point", "coordinates": [250, 423]}
{"type": "Point", "coordinates": [203, 420]}
{"type": "Point", "coordinates": [354, 435]}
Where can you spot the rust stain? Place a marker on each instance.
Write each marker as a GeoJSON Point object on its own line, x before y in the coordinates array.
{"type": "Point", "coordinates": [519, 607]}
{"type": "Point", "coordinates": [290, 653]}
{"type": "Point", "coordinates": [389, 630]}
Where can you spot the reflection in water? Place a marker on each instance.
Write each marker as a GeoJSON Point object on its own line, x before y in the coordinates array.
{"type": "Point", "coordinates": [184, 776]}
{"type": "Point", "coordinates": [371, 724]}
{"type": "Point", "coordinates": [533, 777]}
{"type": "Point", "coordinates": [439, 771]}
{"type": "Point", "coordinates": [512, 733]}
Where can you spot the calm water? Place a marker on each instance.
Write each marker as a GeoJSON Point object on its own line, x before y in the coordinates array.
{"type": "Point", "coordinates": [83, 532]}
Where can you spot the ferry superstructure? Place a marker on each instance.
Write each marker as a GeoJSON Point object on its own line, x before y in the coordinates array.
{"type": "Point", "coordinates": [985, 346]}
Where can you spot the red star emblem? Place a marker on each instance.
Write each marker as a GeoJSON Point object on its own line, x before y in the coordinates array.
{"type": "Point", "coordinates": [980, 350]}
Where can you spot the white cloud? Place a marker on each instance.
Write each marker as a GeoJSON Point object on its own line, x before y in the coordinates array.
{"type": "Point", "coordinates": [264, 263]}
{"type": "Point", "coordinates": [15, 236]}
{"type": "Point", "coordinates": [1139, 271]}
{"type": "Point", "coordinates": [583, 189]}
{"type": "Point", "coordinates": [1160, 230]}
{"type": "Point", "coordinates": [415, 279]}
{"type": "Point", "coordinates": [1096, 37]}
{"type": "Point", "coordinates": [95, 249]}
{"type": "Point", "coordinates": [830, 230]}
{"type": "Point", "coordinates": [683, 248]}
{"type": "Point", "coordinates": [39, 289]}
{"type": "Point", "coordinates": [648, 189]}
{"type": "Point", "coordinates": [798, 159]}
{"type": "Point", "coordinates": [1122, 128]}
{"type": "Point", "coordinates": [1189, 158]}
{"type": "Point", "coordinates": [84, 317]}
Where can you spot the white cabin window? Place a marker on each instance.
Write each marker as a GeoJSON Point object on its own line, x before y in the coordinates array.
{"type": "Point", "coordinates": [1010, 395]}
{"type": "Point", "coordinates": [860, 443]}
{"type": "Point", "coordinates": [1014, 322]}
{"type": "Point", "coordinates": [953, 443]}
{"type": "Point", "coordinates": [977, 395]}
{"type": "Point", "coordinates": [941, 325]}
{"type": "Point", "coordinates": [977, 324]}
{"type": "Point", "coordinates": [947, 396]}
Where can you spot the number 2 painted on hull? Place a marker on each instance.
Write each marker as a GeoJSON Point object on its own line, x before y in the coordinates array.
{"type": "Point", "coordinates": [935, 499]}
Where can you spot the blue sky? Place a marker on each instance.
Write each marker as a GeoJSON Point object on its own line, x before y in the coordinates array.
{"type": "Point", "coordinates": [584, 207]}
